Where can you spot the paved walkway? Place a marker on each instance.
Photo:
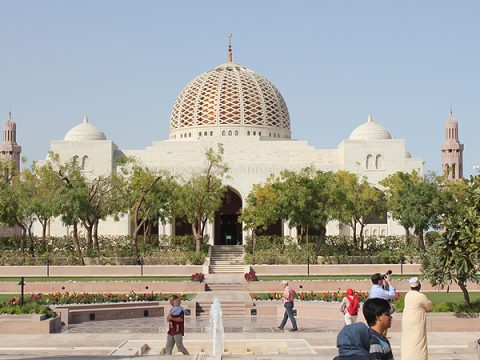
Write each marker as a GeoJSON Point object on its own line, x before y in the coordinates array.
{"type": "Point", "coordinates": [249, 338]}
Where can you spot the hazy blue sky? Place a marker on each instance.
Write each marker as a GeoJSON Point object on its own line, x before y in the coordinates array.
{"type": "Point", "coordinates": [124, 62]}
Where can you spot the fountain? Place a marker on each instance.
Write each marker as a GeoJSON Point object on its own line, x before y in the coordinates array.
{"type": "Point", "coordinates": [218, 334]}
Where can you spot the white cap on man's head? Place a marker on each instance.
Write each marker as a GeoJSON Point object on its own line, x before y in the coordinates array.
{"type": "Point", "coordinates": [284, 282]}
{"type": "Point", "coordinates": [413, 282]}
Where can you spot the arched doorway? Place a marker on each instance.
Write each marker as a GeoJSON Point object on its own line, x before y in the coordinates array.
{"type": "Point", "coordinates": [228, 231]}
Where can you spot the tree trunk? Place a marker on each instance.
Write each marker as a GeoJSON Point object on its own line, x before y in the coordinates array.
{"type": "Point", "coordinates": [466, 296]}
{"type": "Point", "coordinates": [353, 225]}
{"type": "Point", "coordinates": [95, 236]}
{"type": "Point", "coordinates": [420, 241]}
{"type": "Point", "coordinates": [197, 235]}
{"type": "Point", "coordinates": [89, 227]}
{"type": "Point", "coordinates": [322, 234]}
{"type": "Point", "coordinates": [362, 236]}
{"type": "Point", "coordinates": [30, 238]}
{"type": "Point", "coordinates": [44, 229]}
{"type": "Point", "coordinates": [76, 242]}
{"type": "Point", "coordinates": [407, 235]}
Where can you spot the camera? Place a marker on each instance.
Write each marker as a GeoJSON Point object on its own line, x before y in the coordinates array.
{"type": "Point", "coordinates": [387, 274]}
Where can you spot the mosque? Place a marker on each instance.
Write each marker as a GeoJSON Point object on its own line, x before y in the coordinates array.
{"type": "Point", "coordinates": [233, 105]}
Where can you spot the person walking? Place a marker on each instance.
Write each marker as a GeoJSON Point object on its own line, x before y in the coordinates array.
{"type": "Point", "coordinates": [349, 306]}
{"type": "Point", "coordinates": [414, 323]}
{"type": "Point", "coordinates": [288, 297]}
{"type": "Point", "coordinates": [377, 313]}
{"type": "Point", "coordinates": [176, 327]}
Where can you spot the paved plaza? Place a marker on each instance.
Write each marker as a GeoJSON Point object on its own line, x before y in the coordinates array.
{"type": "Point", "coordinates": [246, 337]}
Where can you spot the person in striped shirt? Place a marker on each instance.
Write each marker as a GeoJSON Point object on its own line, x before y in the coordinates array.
{"type": "Point", "coordinates": [377, 313]}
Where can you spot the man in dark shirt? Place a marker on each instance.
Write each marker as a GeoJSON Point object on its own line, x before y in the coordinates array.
{"type": "Point", "coordinates": [176, 327]}
{"type": "Point", "coordinates": [377, 313]}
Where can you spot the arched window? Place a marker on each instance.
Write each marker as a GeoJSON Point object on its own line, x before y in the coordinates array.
{"type": "Point", "coordinates": [269, 134]}
{"type": "Point", "coordinates": [189, 134]}
{"type": "Point", "coordinates": [211, 133]}
{"type": "Point", "coordinates": [199, 133]}
{"type": "Point", "coordinates": [248, 132]}
{"type": "Point", "coordinates": [259, 133]}
{"type": "Point", "coordinates": [367, 233]}
{"type": "Point", "coordinates": [224, 133]}
{"type": "Point", "coordinates": [382, 233]}
{"type": "Point", "coordinates": [75, 159]}
{"type": "Point", "coordinates": [254, 133]}
{"type": "Point", "coordinates": [374, 232]}
{"type": "Point", "coordinates": [379, 162]}
{"type": "Point", "coordinates": [229, 132]}
{"type": "Point", "coordinates": [84, 162]}
{"type": "Point", "coordinates": [205, 133]}
{"type": "Point", "coordinates": [369, 163]}
{"type": "Point", "coordinates": [453, 171]}
{"type": "Point", "coordinates": [236, 132]}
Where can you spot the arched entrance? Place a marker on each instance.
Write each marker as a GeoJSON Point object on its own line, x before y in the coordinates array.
{"type": "Point", "coordinates": [228, 231]}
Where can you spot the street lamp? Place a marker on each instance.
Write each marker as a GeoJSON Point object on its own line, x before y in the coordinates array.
{"type": "Point", "coordinates": [476, 168]}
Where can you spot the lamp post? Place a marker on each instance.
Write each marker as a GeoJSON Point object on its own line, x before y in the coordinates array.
{"type": "Point", "coordinates": [22, 286]}
{"type": "Point", "coordinates": [476, 168]}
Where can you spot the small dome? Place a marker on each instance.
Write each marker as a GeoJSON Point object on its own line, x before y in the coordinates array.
{"type": "Point", "coordinates": [370, 131]}
{"type": "Point", "coordinates": [408, 155]}
{"type": "Point", "coordinates": [84, 132]}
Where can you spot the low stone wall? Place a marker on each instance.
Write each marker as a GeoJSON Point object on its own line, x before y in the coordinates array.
{"type": "Point", "coordinates": [101, 270]}
{"type": "Point", "coordinates": [335, 269]}
{"type": "Point", "coordinates": [105, 286]}
{"type": "Point", "coordinates": [29, 324]}
{"type": "Point", "coordinates": [436, 322]}
{"type": "Point", "coordinates": [335, 285]}
{"type": "Point", "coordinates": [78, 313]}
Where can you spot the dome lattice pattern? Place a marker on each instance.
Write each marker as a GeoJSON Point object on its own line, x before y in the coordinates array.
{"type": "Point", "coordinates": [230, 94]}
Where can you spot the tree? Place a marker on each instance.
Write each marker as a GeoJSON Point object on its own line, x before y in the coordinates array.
{"type": "Point", "coordinates": [103, 199]}
{"type": "Point", "coordinates": [415, 201]}
{"type": "Point", "coordinates": [201, 196]}
{"type": "Point", "coordinates": [307, 200]}
{"type": "Point", "coordinates": [360, 203]}
{"type": "Point", "coordinates": [455, 255]}
{"type": "Point", "coordinates": [149, 196]}
{"type": "Point", "coordinates": [46, 195]}
{"type": "Point", "coordinates": [73, 190]}
{"type": "Point", "coordinates": [261, 207]}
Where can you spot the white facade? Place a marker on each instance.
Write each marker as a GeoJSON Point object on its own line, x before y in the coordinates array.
{"type": "Point", "coordinates": [254, 148]}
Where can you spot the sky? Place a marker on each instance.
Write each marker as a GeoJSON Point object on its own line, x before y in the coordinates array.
{"type": "Point", "coordinates": [123, 63]}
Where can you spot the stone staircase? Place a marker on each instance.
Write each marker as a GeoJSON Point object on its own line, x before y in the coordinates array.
{"type": "Point", "coordinates": [230, 308]}
{"type": "Point", "coordinates": [225, 259]}
{"type": "Point", "coordinates": [225, 287]}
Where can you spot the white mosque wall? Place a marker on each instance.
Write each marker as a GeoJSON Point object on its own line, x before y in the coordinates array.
{"type": "Point", "coordinates": [251, 160]}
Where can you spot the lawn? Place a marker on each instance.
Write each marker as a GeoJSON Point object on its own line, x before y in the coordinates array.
{"type": "Point", "coordinates": [326, 277]}
{"type": "Point", "coordinates": [456, 297]}
{"type": "Point", "coordinates": [95, 278]}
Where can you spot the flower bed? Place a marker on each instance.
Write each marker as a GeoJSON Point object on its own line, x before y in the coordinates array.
{"type": "Point", "coordinates": [310, 296]}
{"type": "Point", "coordinates": [60, 298]}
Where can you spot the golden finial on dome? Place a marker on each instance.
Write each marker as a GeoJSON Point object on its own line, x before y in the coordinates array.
{"type": "Point", "coordinates": [230, 60]}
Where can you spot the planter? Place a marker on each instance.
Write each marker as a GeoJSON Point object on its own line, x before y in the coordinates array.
{"type": "Point", "coordinates": [29, 324]}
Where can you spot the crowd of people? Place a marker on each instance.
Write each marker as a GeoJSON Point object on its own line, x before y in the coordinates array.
{"type": "Point", "coordinates": [359, 341]}
{"type": "Point", "coordinates": [356, 340]}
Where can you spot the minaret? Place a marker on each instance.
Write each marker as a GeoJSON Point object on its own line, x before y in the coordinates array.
{"type": "Point", "coordinates": [9, 149]}
{"type": "Point", "coordinates": [452, 150]}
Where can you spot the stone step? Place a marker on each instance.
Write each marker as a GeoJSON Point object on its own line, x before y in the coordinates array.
{"type": "Point", "coordinates": [225, 287]}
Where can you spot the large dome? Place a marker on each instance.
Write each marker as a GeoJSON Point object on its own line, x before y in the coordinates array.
{"type": "Point", "coordinates": [229, 100]}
